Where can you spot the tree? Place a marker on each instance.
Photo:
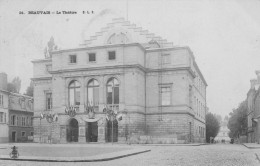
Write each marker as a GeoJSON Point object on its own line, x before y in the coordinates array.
{"type": "Point", "coordinates": [11, 88]}
{"type": "Point", "coordinates": [15, 85]}
{"type": "Point", "coordinates": [212, 126]}
{"type": "Point", "coordinates": [29, 90]}
{"type": "Point", "coordinates": [237, 123]}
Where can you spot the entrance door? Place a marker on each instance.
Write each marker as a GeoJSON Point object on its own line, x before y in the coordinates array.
{"type": "Point", "coordinates": [73, 131]}
{"type": "Point", "coordinates": [112, 131]}
{"type": "Point", "coordinates": [13, 136]}
{"type": "Point", "coordinates": [91, 132]}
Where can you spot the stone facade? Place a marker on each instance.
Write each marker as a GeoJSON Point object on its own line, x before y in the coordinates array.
{"type": "Point", "coordinates": [162, 93]}
{"type": "Point", "coordinates": [3, 108]}
{"type": "Point", "coordinates": [16, 115]}
{"type": "Point", "coordinates": [253, 109]}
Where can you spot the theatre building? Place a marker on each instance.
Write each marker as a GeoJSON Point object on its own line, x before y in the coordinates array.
{"type": "Point", "coordinates": [124, 84]}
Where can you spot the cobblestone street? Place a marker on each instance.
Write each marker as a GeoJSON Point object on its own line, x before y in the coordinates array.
{"type": "Point", "coordinates": [217, 155]}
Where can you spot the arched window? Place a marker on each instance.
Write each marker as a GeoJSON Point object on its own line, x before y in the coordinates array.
{"type": "Point", "coordinates": [112, 91]}
{"type": "Point", "coordinates": [118, 38]}
{"type": "Point", "coordinates": [74, 93]}
{"type": "Point", "coordinates": [93, 92]}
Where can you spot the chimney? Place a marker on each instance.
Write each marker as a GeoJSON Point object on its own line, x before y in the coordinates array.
{"type": "Point", "coordinates": [3, 81]}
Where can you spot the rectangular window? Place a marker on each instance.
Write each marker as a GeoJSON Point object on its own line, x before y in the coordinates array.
{"type": "Point", "coordinates": [18, 119]}
{"type": "Point", "coordinates": [109, 95]}
{"type": "Point", "coordinates": [165, 95]}
{"type": "Point", "coordinates": [93, 96]}
{"type": "Point", "coordinates": [1, 100]}
{"type": "Point", "coordinates": [48, 101]}
{"type": "Point", "coordinates": [31, 124]}
{"type": "Point", "coordinates": [77, 97]}
{"type": "Point", "coordinates": [13, 120]}
{"type": "Point", "coordinates": [166, 59]}
{"type": "Point", "coordinates": [92, 57]}
{"type": "Point", "coordinates": [73, 58]}
{"type": "Point", "coordinates": [1, 117]}
{"type": "Point", "coordinates": [31, 133]}
{"type": "Point", "coordinates": [23, 133]}
{"type": "Point", "coordinates": [111, 55]}
{"type": "Point", "coordinates": [190, 96]}
{"type": "Point", "coordinates": [23, 121]}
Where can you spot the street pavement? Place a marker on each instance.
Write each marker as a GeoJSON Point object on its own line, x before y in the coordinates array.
{"type": "Point", "coordinates": [208, 155]}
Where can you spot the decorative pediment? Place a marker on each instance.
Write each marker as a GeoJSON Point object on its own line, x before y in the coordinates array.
{"type": "Point", "coordinates": [122, 32]}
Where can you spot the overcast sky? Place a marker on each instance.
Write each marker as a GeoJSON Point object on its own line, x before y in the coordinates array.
{"type": "Point", "coordinates": [224, 36]}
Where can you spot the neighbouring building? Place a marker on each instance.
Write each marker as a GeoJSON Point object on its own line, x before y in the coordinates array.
{"type": "Point", "coordinates": [16, 115]}
{"type": "Point", "coordinates": [3, 109]}
{"type": "Point", "coordinates": [156, 88]}
{"type": "Point", "coordinates": [253, 109]}
{"type": "Point", "coordinates": [20, 118]}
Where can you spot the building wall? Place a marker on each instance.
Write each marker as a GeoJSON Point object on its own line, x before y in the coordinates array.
{"type": "Point", "coordinates": [141, 70]}
{"type": "Point", "coordinates": [19, 128]}
{"type": "Point", "coordinates": [4, 119]}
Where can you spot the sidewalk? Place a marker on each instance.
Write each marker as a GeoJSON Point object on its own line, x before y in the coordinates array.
{"type": "Point", "coordinates": [252, 145]}
{"type": "Point", "coordinates": [76, 152]}
{"type": "Point", "coordinates": [70, 152]}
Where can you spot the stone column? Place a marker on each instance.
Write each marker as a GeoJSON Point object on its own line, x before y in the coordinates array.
{"type": "Point", "coordinates": [101, 131]}
{"type": "Point", "coordinates": [82, 95]}
{"type": "Point", "coordinates": [63, 134]}
{"type": "Point", "coordinates": [122, 130]}
{"type": "Point", "coordinates": [82, 135]}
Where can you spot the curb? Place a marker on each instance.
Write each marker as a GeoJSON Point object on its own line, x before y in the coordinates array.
{"type": "Point", "coordinates": [251, 147]}
{"type": "Point", "coordinates": [170, 144]}
{"type": "Point", "coordinates": [75, 160]}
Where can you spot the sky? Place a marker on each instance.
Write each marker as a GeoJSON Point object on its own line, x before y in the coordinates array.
{"type": "Point", "coordinates": [224, 36]}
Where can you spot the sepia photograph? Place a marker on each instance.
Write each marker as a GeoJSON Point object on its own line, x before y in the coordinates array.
{"type": "Point", "coordinates": [130, 82]}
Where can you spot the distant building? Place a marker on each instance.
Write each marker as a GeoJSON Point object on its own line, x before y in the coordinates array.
{"type": "Point", "coordinates": [223, 132]}
{"type": "Point", "coordinates": [156, 88]}
{"type": "Point", "coordinates": [16, 115]}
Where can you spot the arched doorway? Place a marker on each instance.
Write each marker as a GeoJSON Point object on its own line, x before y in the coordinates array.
{"type": "Point", "coordinates": [72, 131]}
{"type": "Point", "coordinates": [112, 131]}
{"type": "Point", "coordinates": [91, 132]}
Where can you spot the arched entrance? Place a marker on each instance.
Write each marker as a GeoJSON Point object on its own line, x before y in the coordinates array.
{"type": "Point", "coordinates": [72, 131]}
{"type": "Point", "coordinates": [91, 132]}
{"type": "Point", "coordinates": [112, 131]}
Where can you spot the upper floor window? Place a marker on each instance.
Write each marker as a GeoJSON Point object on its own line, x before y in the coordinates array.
{"type": "Point", "coordinates": [111, 55]}
{"type": "Point", "coordinates": [165, 93]}
{"type": "Point", "coordinates": [93, 93]}
{"type": "Point", "coordinates": [74, 93]}
{"type": "Point", "coordinates": [2, 118]}
{"type": "Point", "coordinates": [166, 59]}
{"type": "Point", "coordinates": [48, 68]}
{"type": "Point", "coordinates": [23, 121]}
{"type": "Point", "coordinates": [48, 101]}
{"type": "Point", "coordinates": [190, 96]}
{"type": "Point", "coordinates": [92, 57]}
{"type": "Point", "coordinates": [1, 100]}
{"type": "Point", "coordinates": [112, 91]}
{"type": "Point", "coordinates": [13, 120]}
{"type": "Point", "coordinates": [73, 58]}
